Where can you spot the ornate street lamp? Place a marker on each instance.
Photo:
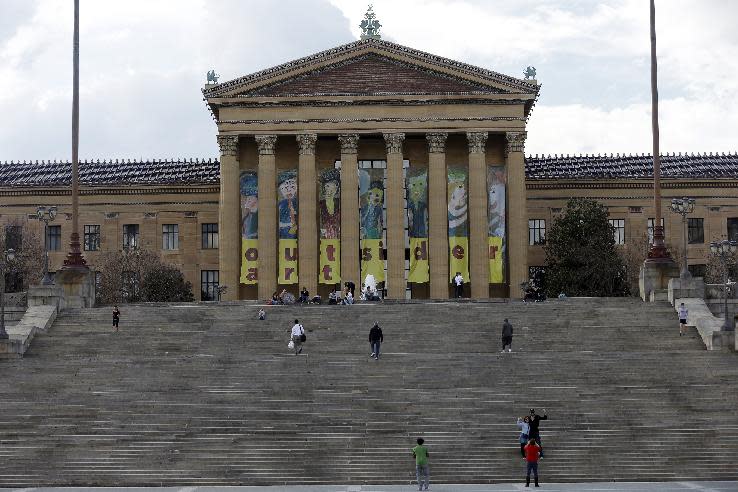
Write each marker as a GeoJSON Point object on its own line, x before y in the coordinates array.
{"type": "Point", "coordinates": [725, 250]}
{"type": "Point", "coordinates": [5, 258]}
{"type": "Point", "coordinates": [46, 215]}
{"type": "Point", "coordinates": [683, 206]}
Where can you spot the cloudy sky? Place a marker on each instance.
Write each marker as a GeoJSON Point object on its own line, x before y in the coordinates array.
{"type": "Point", "coordinates": [143, 63]}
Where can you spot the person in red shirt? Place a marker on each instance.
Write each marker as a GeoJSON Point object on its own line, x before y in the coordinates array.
{"type": "Point", "coordinates": [532, 453]}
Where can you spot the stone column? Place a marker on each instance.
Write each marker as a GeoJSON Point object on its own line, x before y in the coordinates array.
{"type": "Point", "coordinates": [229, 218]}
{"type": "Point", "coordinates": [350, 208]}
{"type": "Point", "coordinates": [307, 231]}
{"type": "Point", "coordinates": [267, 216]}
{"type": "Point", "coordinates": [394, 196]}
{"type": "Point", "coordinates": [437, 215]}
{"type": "Point", "coordinates": [517, 214]}
{"type": "Point", "coordinates": [478, 225]}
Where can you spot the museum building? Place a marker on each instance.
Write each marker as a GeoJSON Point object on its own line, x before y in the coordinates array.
{"type": "Point", "coordinates": [370, 158]}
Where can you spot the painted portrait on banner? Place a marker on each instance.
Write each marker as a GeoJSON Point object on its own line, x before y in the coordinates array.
{"type": "Point", "coordinates": [249, 227]}
{"type": "Point", "coordinates": [330, 226]}
{"type": "Point", "coordinates": [496, 183]}
{"type": "Point", "coordinates": [417, 216]}
{"type": "Point", "coordinates": [371, 221]}
{"type": "Point", "coordinates": [458, 222]}
{"type": "Point", "coordinates": [287, 207]}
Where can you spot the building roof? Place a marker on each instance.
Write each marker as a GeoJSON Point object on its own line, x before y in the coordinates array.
{"type": "Point", "coordinates": [201, 171]}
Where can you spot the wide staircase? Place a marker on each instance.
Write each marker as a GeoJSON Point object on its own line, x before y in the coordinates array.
{"type": "Point", "coordinates": [208, 395]}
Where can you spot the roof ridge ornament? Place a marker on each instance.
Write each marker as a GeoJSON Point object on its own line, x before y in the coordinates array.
{"type": "Point", "coordinates": [370, 25]}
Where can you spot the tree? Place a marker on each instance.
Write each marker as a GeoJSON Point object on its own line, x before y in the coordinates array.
{"type": "Point", "coordinates": [581, 257]}
{"type": "Point", "coordinates": [27, 267]}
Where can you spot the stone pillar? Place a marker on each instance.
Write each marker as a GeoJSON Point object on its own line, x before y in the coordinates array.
{"type": "Point", "coordinates": [350, 209]}
{"type": "Point", "coordinates": [307, 231]}
{"type": "Point", "coordinates": [229, 218]}
{"type": "Point", "coordinates": [437, 215]}
{"type": "Point", "coordinates": [394, 200]}
{"type": "Point", "coordinates": [267, 216]}
{"type": "Point", "coordinates": [478, 224]}
{"type": "Point", "coordinates": [517, 212]}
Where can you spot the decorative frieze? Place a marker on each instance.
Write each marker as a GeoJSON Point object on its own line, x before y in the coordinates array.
{"type": "Point", "coordinates": [436, 142]}
{"type": "Point", "coordinates": [306, 142]}
{"type": "Point", "coordinates": [515, 142]}
{"type": "Point", "coordinates": [477, 142]}
{"type": "Point", "coordinates": [228, 145]}
{"type": "Point", "coordinates": [266, 144]}
{"type": "Point", "coordinates": [393, 141]}
{"type": "Point", "coordinates": [349, 143]}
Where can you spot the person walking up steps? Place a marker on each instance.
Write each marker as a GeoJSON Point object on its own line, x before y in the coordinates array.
{"type": "Point", "coordinates": [532, 453]}
{"type": "Point", "coordinates": [116, 317]}
{"type": "Point", "coordinates": [421, 455]}
{"type": "Point", "coordinates": [507, 334]}
{"type": "Point", "coordinates": [375, 340]}
{"type": "Point", "coordinates": [298, 337]}
{"type": "Point", "coordinates": [683, 312]}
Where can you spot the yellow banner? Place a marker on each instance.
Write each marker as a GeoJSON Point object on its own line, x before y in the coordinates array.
{"type": "Point", "coordinates": [495, 260]}
{"type": "Point", "coordinates": [371, 259]}
{"type": "Point", "coordinates": [249, 261]}
{"type": "Point", "coordinates": [330, 261]}
{"type": "Point", "coordinates": [418, 260]}
{"type": "Point", "coordinates": [287, 261]}
{"type": "Point", "coordinates": [458, 258]}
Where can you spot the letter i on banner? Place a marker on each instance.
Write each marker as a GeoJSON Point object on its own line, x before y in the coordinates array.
{"type": "Point", "coordinates": [249, 228]}
{"type": "Point", "coordinates": [496, 182]}
{"type": "Point", "coordinates": [287, 207]}
{"type": "Point", "coordinates": [458, 223]}
{"type": "Point", "coordinates": [330, 227]}
{"type": "Point", "coordinates": [417, 215]}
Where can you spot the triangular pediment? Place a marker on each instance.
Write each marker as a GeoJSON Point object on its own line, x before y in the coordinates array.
{"type": "Point", "coordinates": [371, 67]}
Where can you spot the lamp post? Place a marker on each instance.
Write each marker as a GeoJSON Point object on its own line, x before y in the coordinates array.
{"type": "Point", "coordinates": [7, 256]}
{"type": "Point", "coordinates": [46, 215]}
{"type": "Point", "coordinates": [724, 250]}
{"type": "Point", "coordinates": [683, 206]}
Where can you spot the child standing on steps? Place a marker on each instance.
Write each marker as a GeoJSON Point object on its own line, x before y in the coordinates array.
{"type": "Point", "coordinates": [116, 317]}
{"type": "Point", "coordinates": [421, 455]}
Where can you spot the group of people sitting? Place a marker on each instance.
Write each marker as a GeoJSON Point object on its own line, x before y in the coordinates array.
{"type": "Point", "coordinates": [369, 292]}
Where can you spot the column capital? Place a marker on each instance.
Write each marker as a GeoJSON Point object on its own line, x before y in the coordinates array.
{"type": "Point", "coordinates": [393, 141]}
{"type": "Point", "coordinates": [306, 142]}
{"type": "Point", "coordinates": [477, 142]}
{"type": "Point", "coordinates": [436, 142]}
{"type": "Point", "coordinates": [515, 142]}
{"type": "Point", "coordinates": [266, 144]}
{"type": "Point", "coordinates": [228, 145]}
{"type": "Point", "coordinates": [349, 143]}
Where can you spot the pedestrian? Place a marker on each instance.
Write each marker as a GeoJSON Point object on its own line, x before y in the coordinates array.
{"type": "Point", "coordinates": [534, 431]}
{"type": "Point", "coordinates": [116, 317]}
{"type": "Point", "coordinates": [298, 337]}
{"type": "Point", "coordinates": [375, 340]}
{"type": "Point", "coordinates": [683, 312]}
{"type": "Point", "coordinates": [352, 287]}
{"type": "Point", "coordinates": [507, 334]}
{"type": "Point", "coordinates": [421, 455]}
{"type": "Point", "coordinates": [458, 285]}
{"type": "Point", "coordinates": [262, 315]}
{"type": "Point", "coordinates": [524, 427]}
{"type": "Point", "coordinates": [532, 453]}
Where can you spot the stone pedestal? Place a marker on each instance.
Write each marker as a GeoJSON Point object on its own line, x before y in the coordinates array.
{"type": "Point", "coordinates": [77, 287]}
{"type": "Point", "coordinates": [654, 277]}
{"type": "Point", "coordinates": [44, 295]}
{"type": "Point", "coordinates": [681, 288]}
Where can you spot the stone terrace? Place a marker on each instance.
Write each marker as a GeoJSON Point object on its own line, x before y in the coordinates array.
{"type": "Point", "coordinates": [207, 395]}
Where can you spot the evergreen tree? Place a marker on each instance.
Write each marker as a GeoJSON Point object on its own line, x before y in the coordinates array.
{"type": "Point", "coordinates": [581, 256]}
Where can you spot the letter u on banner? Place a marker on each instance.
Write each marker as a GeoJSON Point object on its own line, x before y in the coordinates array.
{"type": "Point", "coordinates": [288, 261]}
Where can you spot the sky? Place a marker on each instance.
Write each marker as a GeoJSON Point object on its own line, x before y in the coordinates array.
{"type": "Point", "coordinates": [143, 65]}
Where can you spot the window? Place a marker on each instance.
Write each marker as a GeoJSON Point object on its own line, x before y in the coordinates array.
{"type": "Point", "coordinates": [130, 236]}
{"type": "Point", "coordinates": [536, 231]}
{"type": "Point", "coordinates": [695, 231]}
{"type": "Point", "coordinates": [170, 236]}
{"type": "Point", "coordinates": [92, 237]}
{"type": "Point", "coordinates": [618, 230]}
{"type": "Point", "coordinates": [209, 285]}
{"type": "Point", "coordinates": [209, 236]}
{"type": "Point", "coordinates": [650, 229]}
{"type": "Point", "coordinates": [733, 229]}
{"type": "Point", "coordinates": [53, 237]}
{"type": "Point", "coordinates": [14, 237]}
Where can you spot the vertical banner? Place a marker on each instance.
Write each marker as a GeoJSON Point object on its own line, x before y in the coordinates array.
{"type": "Point", "coordinates": [371, 220]}
{"type": "Point", "coordinates": [249, 228]}
{"type": "Point", "coordinates": [417, 216]}
{"type": "Point", "coordinates": [287, 206]}
{"type": "Point", "coordinates": [330, 227]}
{"type": "Point", "coordinates": [458, 223]}
{"type": "Point", "coordinates": [496, 181]}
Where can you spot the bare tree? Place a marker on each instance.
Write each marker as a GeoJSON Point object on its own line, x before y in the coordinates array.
{"type": "Point", "coordinates": [27, 267]}
{"type": "Point", "coordinates": [634, 252]}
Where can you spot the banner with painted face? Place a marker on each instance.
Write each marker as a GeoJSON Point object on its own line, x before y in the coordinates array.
{"type": "Point", "coordinates": [287, 207]}
{"type": "Point", "coordinates": [496, 182]}
{"type": "Point", "coordinates": [249, 228]}
{"type": "Point", "coordinates": [329, 206]}
{"type": "Point", "coordinates": [417, 217]}
{"type": "Point", "coordinates": [458, 223]}
{"type": "Point", "coordinates": [371, 221]}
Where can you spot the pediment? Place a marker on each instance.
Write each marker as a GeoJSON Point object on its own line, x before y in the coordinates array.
{"type": "Point", "coordinates": [371, 67]}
